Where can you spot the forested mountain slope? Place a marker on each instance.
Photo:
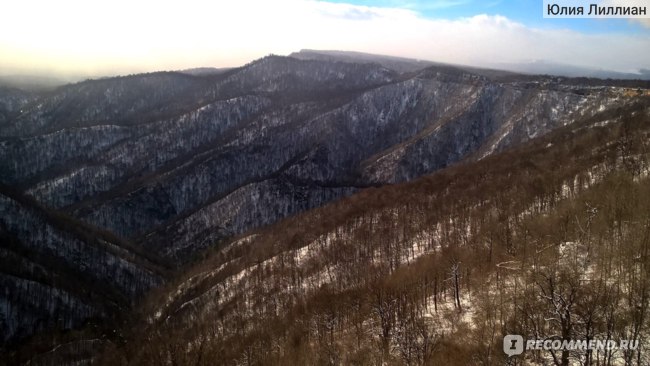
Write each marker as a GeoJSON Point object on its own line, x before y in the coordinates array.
{"type": "Point", "coordinates": [57, 273]}
{"type": "Point", "coordinates": [550, 238]}
{"type": "Point", "coordinates": [176, 162]}
{"type": "Point", "coordinates": [109, 186]}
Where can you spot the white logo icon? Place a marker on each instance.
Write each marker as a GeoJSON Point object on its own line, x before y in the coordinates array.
{"type": "Point", "coordinates": [513, 345]}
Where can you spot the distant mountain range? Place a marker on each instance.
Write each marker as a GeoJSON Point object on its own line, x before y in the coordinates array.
{"type": "Point", "coordinates": [549, 68]}
{"type": "Point", "coordinates": [399, 64]}
{"type": "Point", "coordinates": [111, 188]}
{"type": "Point", "coordinates": [33, 82]}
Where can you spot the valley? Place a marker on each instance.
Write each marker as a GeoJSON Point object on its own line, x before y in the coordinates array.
{"type": "Point", "coordinates": [319, 209]}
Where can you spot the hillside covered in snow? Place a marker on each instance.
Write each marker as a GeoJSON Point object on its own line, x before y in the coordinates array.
{"type": "Point", "coordinates": [177, 197]}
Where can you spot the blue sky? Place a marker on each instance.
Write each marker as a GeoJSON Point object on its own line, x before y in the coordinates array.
{"type": "Point", "coordinates": [107, 37]}
{"type": "Point", "coordinates": [528, 12]}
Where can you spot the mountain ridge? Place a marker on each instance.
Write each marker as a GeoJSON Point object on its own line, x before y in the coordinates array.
{"type": "Point", "coordinates": [395, 245]}
{"type": "Point", "coordinates": [163, 167]}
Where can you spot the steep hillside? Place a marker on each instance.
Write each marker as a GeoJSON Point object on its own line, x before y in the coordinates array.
{"type": "Point", "coordinates": [110, 185]}
{"type": "Point", "coordinates": [177, 162]}
{"type": "Point", "coordinates": [58, 274]}
{"type": "Point", "coordinates": [12, 101]}
{"type": "Point", "coordinates": [547, 239]}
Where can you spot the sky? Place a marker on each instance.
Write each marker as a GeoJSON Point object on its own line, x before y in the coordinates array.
{"type": "Point", "coordinates": [110, 37]}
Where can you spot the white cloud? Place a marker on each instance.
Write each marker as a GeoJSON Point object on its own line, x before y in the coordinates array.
{"type": "Point", "coordinates": [643, 22]}
{"type": "Point", "coordinates": [124, 36]}
{"type": "Point", "coordinates": [638, 3]}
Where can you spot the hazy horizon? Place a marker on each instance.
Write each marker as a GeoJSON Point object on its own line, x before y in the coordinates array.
{"type": "Point", "coordinates": [74, 39]}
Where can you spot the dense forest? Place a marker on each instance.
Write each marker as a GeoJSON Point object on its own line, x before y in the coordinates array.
{"type": "Point", "coordinates": [323, 209]}
{"type": "Point", "coordinates": [550, 239]}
